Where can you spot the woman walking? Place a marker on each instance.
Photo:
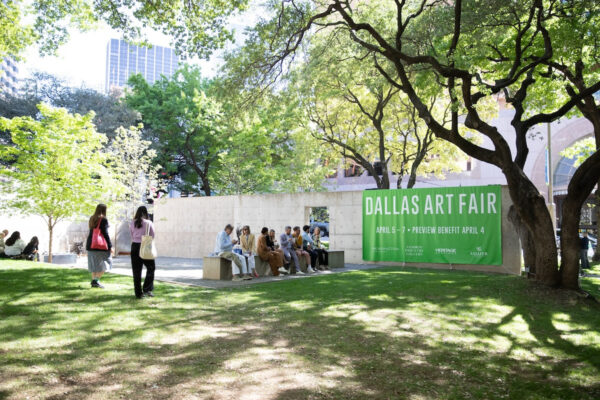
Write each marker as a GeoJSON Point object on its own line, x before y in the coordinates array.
{"type": "Point", "coordinates": [99, 258]}
{"type": "Point", "coordinates": [140, 226]}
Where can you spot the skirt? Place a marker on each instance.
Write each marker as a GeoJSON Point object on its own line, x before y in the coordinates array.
{"type": "Point", "coordinates": [99, 261]}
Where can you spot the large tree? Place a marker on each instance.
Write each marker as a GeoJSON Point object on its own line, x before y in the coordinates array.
{"type": "Point", "coordinates": [475, 51]}
{"type": "Point", "coordinates": [580, 151]}
{"type": "Point", "coordinates": [184, 124]}
{"type": "Point", "coordinates": [358, 113]}
{"type": "Point", "coordinates": [57, 168]}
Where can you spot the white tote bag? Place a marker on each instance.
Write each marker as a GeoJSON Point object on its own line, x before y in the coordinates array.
{"type": "Point", "coordinates": [147, 248]}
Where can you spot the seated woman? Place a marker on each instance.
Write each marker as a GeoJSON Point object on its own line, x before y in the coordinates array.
{"type": "Point", "coordinates": [30, 252]}
{"type": "Point", "coordinates": [248, 249]}
{"type": "Point", "coordinates": [318, 246]}
{"type": "Point", "coordinates": [266, 253]}
{"type": "Point", "coordinates": [272, 242]}
{"type": "Point", "coordinates": [14, 245]}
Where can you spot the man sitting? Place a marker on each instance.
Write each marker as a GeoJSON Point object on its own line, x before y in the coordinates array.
{"type": "Point", "coordinates": [223, 249]}
{"type": "Point", "coordinates": [309, 246]}
{"type": "Point", "coordinates": [299, 247]}
{"type": "Point", "coordinates": [287, 245]}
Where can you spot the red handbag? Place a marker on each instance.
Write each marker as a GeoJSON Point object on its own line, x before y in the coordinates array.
{"type": "Point", "coordinates": [98, 240]}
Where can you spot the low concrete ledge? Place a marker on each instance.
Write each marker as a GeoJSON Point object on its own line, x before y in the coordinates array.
{"type": "Point", "coordinates": [62, 258]}
{"type": "Point", "coordinates": [216, 268]}
{"type": "Point", "coordinates": [336, 258]}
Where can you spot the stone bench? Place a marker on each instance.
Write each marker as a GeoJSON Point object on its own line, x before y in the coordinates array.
{"type": "Point", "coordinates": [262, 267]}
{"type": "Point", "coordinates": [336, 258]}
{"type": "Point", "coordinates": [216, 268]}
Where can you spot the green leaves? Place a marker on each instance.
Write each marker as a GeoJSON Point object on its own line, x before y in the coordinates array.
{"type": "Point", "coordinates": [184, 125]}
{"type": "Point", "coordinates": [57, 167]}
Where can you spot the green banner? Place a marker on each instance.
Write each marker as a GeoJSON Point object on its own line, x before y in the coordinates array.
{"type": "Point", "coordinates": [451, 225]}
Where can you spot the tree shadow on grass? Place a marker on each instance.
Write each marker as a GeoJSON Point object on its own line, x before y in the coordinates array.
{"type": "Point", "coordinates": [371, 334]}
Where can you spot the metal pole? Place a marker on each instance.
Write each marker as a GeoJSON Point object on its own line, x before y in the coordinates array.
{"type": "Point", "coordinates": [551, 205]}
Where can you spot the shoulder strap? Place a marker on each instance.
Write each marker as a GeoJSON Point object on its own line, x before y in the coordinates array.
{"type": "Point", "coordinates": [99, 221]}
{"type": "Point", "coordinates": [147, 227]}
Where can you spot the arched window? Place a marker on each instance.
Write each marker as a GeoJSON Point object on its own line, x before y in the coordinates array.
{"type": "Point", "coordinates": [564, 171]}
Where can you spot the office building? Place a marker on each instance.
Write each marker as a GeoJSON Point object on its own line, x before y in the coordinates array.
{"type": "Point", "coordinates": [124, 59]}
{"type": "Point", "coordinates": [9, 76]}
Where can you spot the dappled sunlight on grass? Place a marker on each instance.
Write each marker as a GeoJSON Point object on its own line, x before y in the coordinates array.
{"type": "Point", "coordinates": [390, 333]}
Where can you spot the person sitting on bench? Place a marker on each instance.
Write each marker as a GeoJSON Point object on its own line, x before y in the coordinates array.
{"type": "Point", "coordinates": [274, 246]}
{"type": "Point", "coordinates": [14, 245]}
{"type": "Point", "coordinates": [287, 245]}
{"type": "Point", "coordinates": [223, 249]}
{"type": "Point", "coordinates": [30, 252]}
{"type": "Point", "coordinates": [309, 246]}
{"type": "Point", "coordinates": [249, 249]}
{"type": "Point", "coordinates": [299, 247]}
{"type": "Point", "coordinates": [274, 258]}
{"type": "Point", "coordinates": [318, 247]}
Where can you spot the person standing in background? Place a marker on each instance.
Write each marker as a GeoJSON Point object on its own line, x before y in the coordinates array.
{"type": "Point", "coordinates": [137, 228]}
{"type": "Point", "coordinates": [99, 261]}
{"type": "Point", "coordinates": [584, 246]}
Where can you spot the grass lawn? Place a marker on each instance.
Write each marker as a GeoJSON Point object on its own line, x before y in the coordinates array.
{"type": "Point", "coordinates": [391, 333]}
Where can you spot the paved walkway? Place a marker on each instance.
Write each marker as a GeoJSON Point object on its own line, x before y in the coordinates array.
{"type": "Point", "coordinates": [188, 271]}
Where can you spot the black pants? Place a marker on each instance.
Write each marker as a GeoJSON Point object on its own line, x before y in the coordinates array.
{"type": "Point", "coordinates": [323, 256]}
{"type": "Point", "coordinates": [137, 264]}
{"type": "Point", "coordinates": [313, 257]}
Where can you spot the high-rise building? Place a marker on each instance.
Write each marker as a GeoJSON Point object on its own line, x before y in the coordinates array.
{"type": "Point", "coordinates": [9, 76]}
{"type": "Point", "coordinates": [124, 59]}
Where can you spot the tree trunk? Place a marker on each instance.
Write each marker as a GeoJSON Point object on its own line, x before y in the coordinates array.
{"type": "Point", "coordinates": [596, 256]}
{"type": "Point", "coordinates": [531, 208]}
{"type": "Point", "coordinates": [569, 244]}
{"type": "Point", "coordinates": [385, 177]}
{"type": "Point", "coordinates": [50, 233]}
{"type": "Point", "coordinates": [580, 187]}
{"type": "Point", "coordinates": [205, 185]}
{"type": "Point", "coordinates": [412, 179]}
{"type": "Point", "coordinates": [527, 242]}
{"type": "Point", "coordinates": [116, 237]}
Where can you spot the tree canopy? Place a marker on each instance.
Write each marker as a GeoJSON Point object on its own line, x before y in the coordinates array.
{"type": "Point", "coordinates": [57, 167]}
{"type": "Point", "coordinates": [474, 52]}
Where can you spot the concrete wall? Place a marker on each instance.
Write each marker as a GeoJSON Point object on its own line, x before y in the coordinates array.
{"type": "Point", "coordinates": [187, 227]}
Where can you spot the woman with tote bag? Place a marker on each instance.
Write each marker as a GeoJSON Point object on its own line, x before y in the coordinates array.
{"type": "Point", "coordinates": [98, 246]}
{"type": "Point", "coordinates": [142, 230]}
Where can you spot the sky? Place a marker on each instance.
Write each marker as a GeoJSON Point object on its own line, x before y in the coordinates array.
{"type": "Point", "coordinates": [82, 60]}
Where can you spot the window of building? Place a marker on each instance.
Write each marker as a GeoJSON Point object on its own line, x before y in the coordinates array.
{"type": "Point", "coordinates": [353, 170]}
{"type": "Point", "coordinates": [564, 171]}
